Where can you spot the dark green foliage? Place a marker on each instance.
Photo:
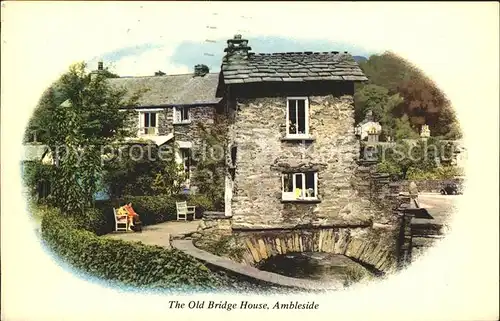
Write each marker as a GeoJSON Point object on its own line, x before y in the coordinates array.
{"type": "Point", "coordinates": [35, 175]}
{"type": "Point", "coordinates": [421, 160]}
{"type": "Point", "coordinates": [131, 264]}
{"type": "Point", "coordinates": [210, 174]}
{"type": "Point", "coordinates": [162, 208]}
{"type": "Point", "coordinates": [77, 130]}
{"type": "Point", "coordinates": [97, 220]}
{"type": "Point", "coordinates": [108, 74]}
{"type": "Point", "coordinates": [202, 203]}
{"type": "Point", "coordinates": [419, 98]}
{"type": "Point", "coordinates": [148, 170]}
{"type": "Point", "coordinates": [383, 105]}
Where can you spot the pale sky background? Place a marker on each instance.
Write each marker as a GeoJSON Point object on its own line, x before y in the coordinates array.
{"type": "Point", "coordinates": [179, 58]}
{"type": "Point", "coordinates": [456, 44]}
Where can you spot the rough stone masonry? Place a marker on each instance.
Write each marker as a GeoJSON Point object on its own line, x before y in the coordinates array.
{"type": "Point", "coordinates": [264, 154]}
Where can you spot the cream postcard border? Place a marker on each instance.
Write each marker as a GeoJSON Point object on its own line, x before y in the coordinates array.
{"type": "Point", "coordinates": [456, 44]}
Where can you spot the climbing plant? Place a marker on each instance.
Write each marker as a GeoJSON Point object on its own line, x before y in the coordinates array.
{"type": "Point", "coordinates": [210, 174]}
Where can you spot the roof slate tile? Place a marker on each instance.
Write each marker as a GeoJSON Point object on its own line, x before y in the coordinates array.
{"type": "Point", "coordinates": [295, 66]}
{"type": "Point", "coordinates": [170, 89]}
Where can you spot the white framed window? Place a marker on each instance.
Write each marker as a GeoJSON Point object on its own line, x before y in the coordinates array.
{"type": "Point", "coordinates": [181, 115]}
{"type": "Point", "coordinates": [297, 117]}
{"type": "Point", "coordinates": [148, 122]}
{"type": "Point", "coordinates": [299, 186]}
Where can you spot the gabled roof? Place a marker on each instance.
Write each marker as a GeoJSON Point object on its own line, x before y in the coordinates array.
{"type": "Point", "coordinates": [292, 66]}
{"type": "Point", "coordinates": [168, 90]}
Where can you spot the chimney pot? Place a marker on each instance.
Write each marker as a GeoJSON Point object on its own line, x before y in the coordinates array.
{"type": "Point", "coordinates": [237, 49]}
{"type": "Point", "coordinates": [100, 65]}
{"type": "Point", "coordinates": [201, 70]}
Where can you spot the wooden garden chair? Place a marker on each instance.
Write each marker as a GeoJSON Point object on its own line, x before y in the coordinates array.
{"type": "Point", "coordinates": [183, 210]}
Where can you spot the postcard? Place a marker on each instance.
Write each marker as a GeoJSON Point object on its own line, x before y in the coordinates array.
{"type": "Point", "coordinates": [165, 160]}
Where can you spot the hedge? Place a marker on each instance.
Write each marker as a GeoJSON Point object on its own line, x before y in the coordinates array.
{"type": "Point", "coordinates": [126, 263]}
{"type": "Point", "coordinates": [158, 209]}
{"type": "Point", "coordinates": [152, 210]}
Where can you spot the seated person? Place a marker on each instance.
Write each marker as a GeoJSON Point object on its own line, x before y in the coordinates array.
{"type": "Point", "coordinates": [122, 213]}
{"type": "Point", "coordinates": [133, 217]}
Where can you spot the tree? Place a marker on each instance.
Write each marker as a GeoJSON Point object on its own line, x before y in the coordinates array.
{"type": "Point", "coordinates": [210, 167]}
{"type": "Point", "coordinates": [108, 74]}
{"type": "Point", "coordinates": [422, 101]}
{"type": "Point", "coordinates": [403, 129]}
{"type": "Point", "coordinates": [142, 169]}
{"type": "Point", "coordinates": [381, 103]}
{"type": "Point", "coordinates": [76, 132]}
{"type": "Point", "coordinates": [160, 73]}
{"type": "Point", "coordinates": [416, 159]}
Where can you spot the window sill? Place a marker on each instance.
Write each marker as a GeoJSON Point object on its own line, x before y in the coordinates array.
{"type": "Point", "coordinates": [307, 201]}
{"type": "Point", "coordinates": [186, 122]}
{"type": "Point", "coordinates": [298, 138]}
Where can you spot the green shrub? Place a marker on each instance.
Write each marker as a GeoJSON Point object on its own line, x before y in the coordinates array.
{"type": "Point", "coordinates": [202, 203]}
{"type": "Point", "coordinates": [438, 173]}
{"type": "Point", "coordinates": [96, 220]}
{"type": "Point", "coordinates": [152, 209]}
{"type": "Point", "coordinates": [162, 208]}
{"type": "Point", "coordinates": [133, 264]}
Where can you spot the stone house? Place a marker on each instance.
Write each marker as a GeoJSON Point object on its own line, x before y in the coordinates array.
{"type": "Point", "coordinates": [369, 129]}
{"type": "Point", "coordinates": [170, 108]}
{"type": "Point", "coordinates": [292, 151]}
{"type": "Point", "coordinates": [291, 136]}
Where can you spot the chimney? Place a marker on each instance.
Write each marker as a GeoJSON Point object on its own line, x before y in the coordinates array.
{"type": "Point", "coordinates": [100, 68]}
{"type": "Point", "coordinates": [237, 50]}
{"type": "Point", "coordinates": [201, 70]}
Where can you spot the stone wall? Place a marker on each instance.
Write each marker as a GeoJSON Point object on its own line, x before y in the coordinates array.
{"type": "Point", "coordinates": [430, 186]}
{"type": "Point", "coordinates": [182, 132]}
{"type": "Point", "coordinates": [258, 129]}
{"type": "Point", "coordinates": [187, 132]}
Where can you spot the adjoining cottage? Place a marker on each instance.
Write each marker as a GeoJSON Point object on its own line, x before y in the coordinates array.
{"type": "Point", "coordinates": [368, 128]}
{"type": "Point", "coordinates": [170, 108]}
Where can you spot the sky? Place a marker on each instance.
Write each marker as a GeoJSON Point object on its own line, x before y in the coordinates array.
{"type": "Point", "coordinates": [145, 59]}
{"type": "Point", "coordinates": [173, 43]}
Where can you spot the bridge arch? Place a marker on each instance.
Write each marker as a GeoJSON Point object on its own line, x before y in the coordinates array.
{"type": "Point", "coordinates": [372, 247]}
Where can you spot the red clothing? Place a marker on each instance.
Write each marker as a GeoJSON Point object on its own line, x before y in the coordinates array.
{"type": "Point", "coordinates": [130, 211]}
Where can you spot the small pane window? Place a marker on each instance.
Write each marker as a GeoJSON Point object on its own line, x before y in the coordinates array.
{"type": "Point", "coordinates": [297, 116]}
{"type": "Point", "coordinates": [300, 186]}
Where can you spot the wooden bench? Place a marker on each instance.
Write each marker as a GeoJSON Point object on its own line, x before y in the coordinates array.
{"type": "Point", "coordinates": [121, 221]}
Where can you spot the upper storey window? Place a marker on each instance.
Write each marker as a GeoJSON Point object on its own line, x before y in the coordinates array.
{"type": "Point", "coordinates": [148, 121]}
{"type": "Point", "coordinates": [181, 115]}
{"type": "Point", "coordinates": [297, 117]}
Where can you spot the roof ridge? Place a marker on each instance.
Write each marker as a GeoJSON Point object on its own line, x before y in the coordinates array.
{"type": "Point", "coordinates": [164, 76]}
{"type": "Point", "coordinates": [301, 52]}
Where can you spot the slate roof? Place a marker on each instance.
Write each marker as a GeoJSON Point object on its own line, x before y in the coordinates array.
{"type": "Point", "coordinates": [170, 89]}
{"type": "Point", "coordinates": [294, 67]}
